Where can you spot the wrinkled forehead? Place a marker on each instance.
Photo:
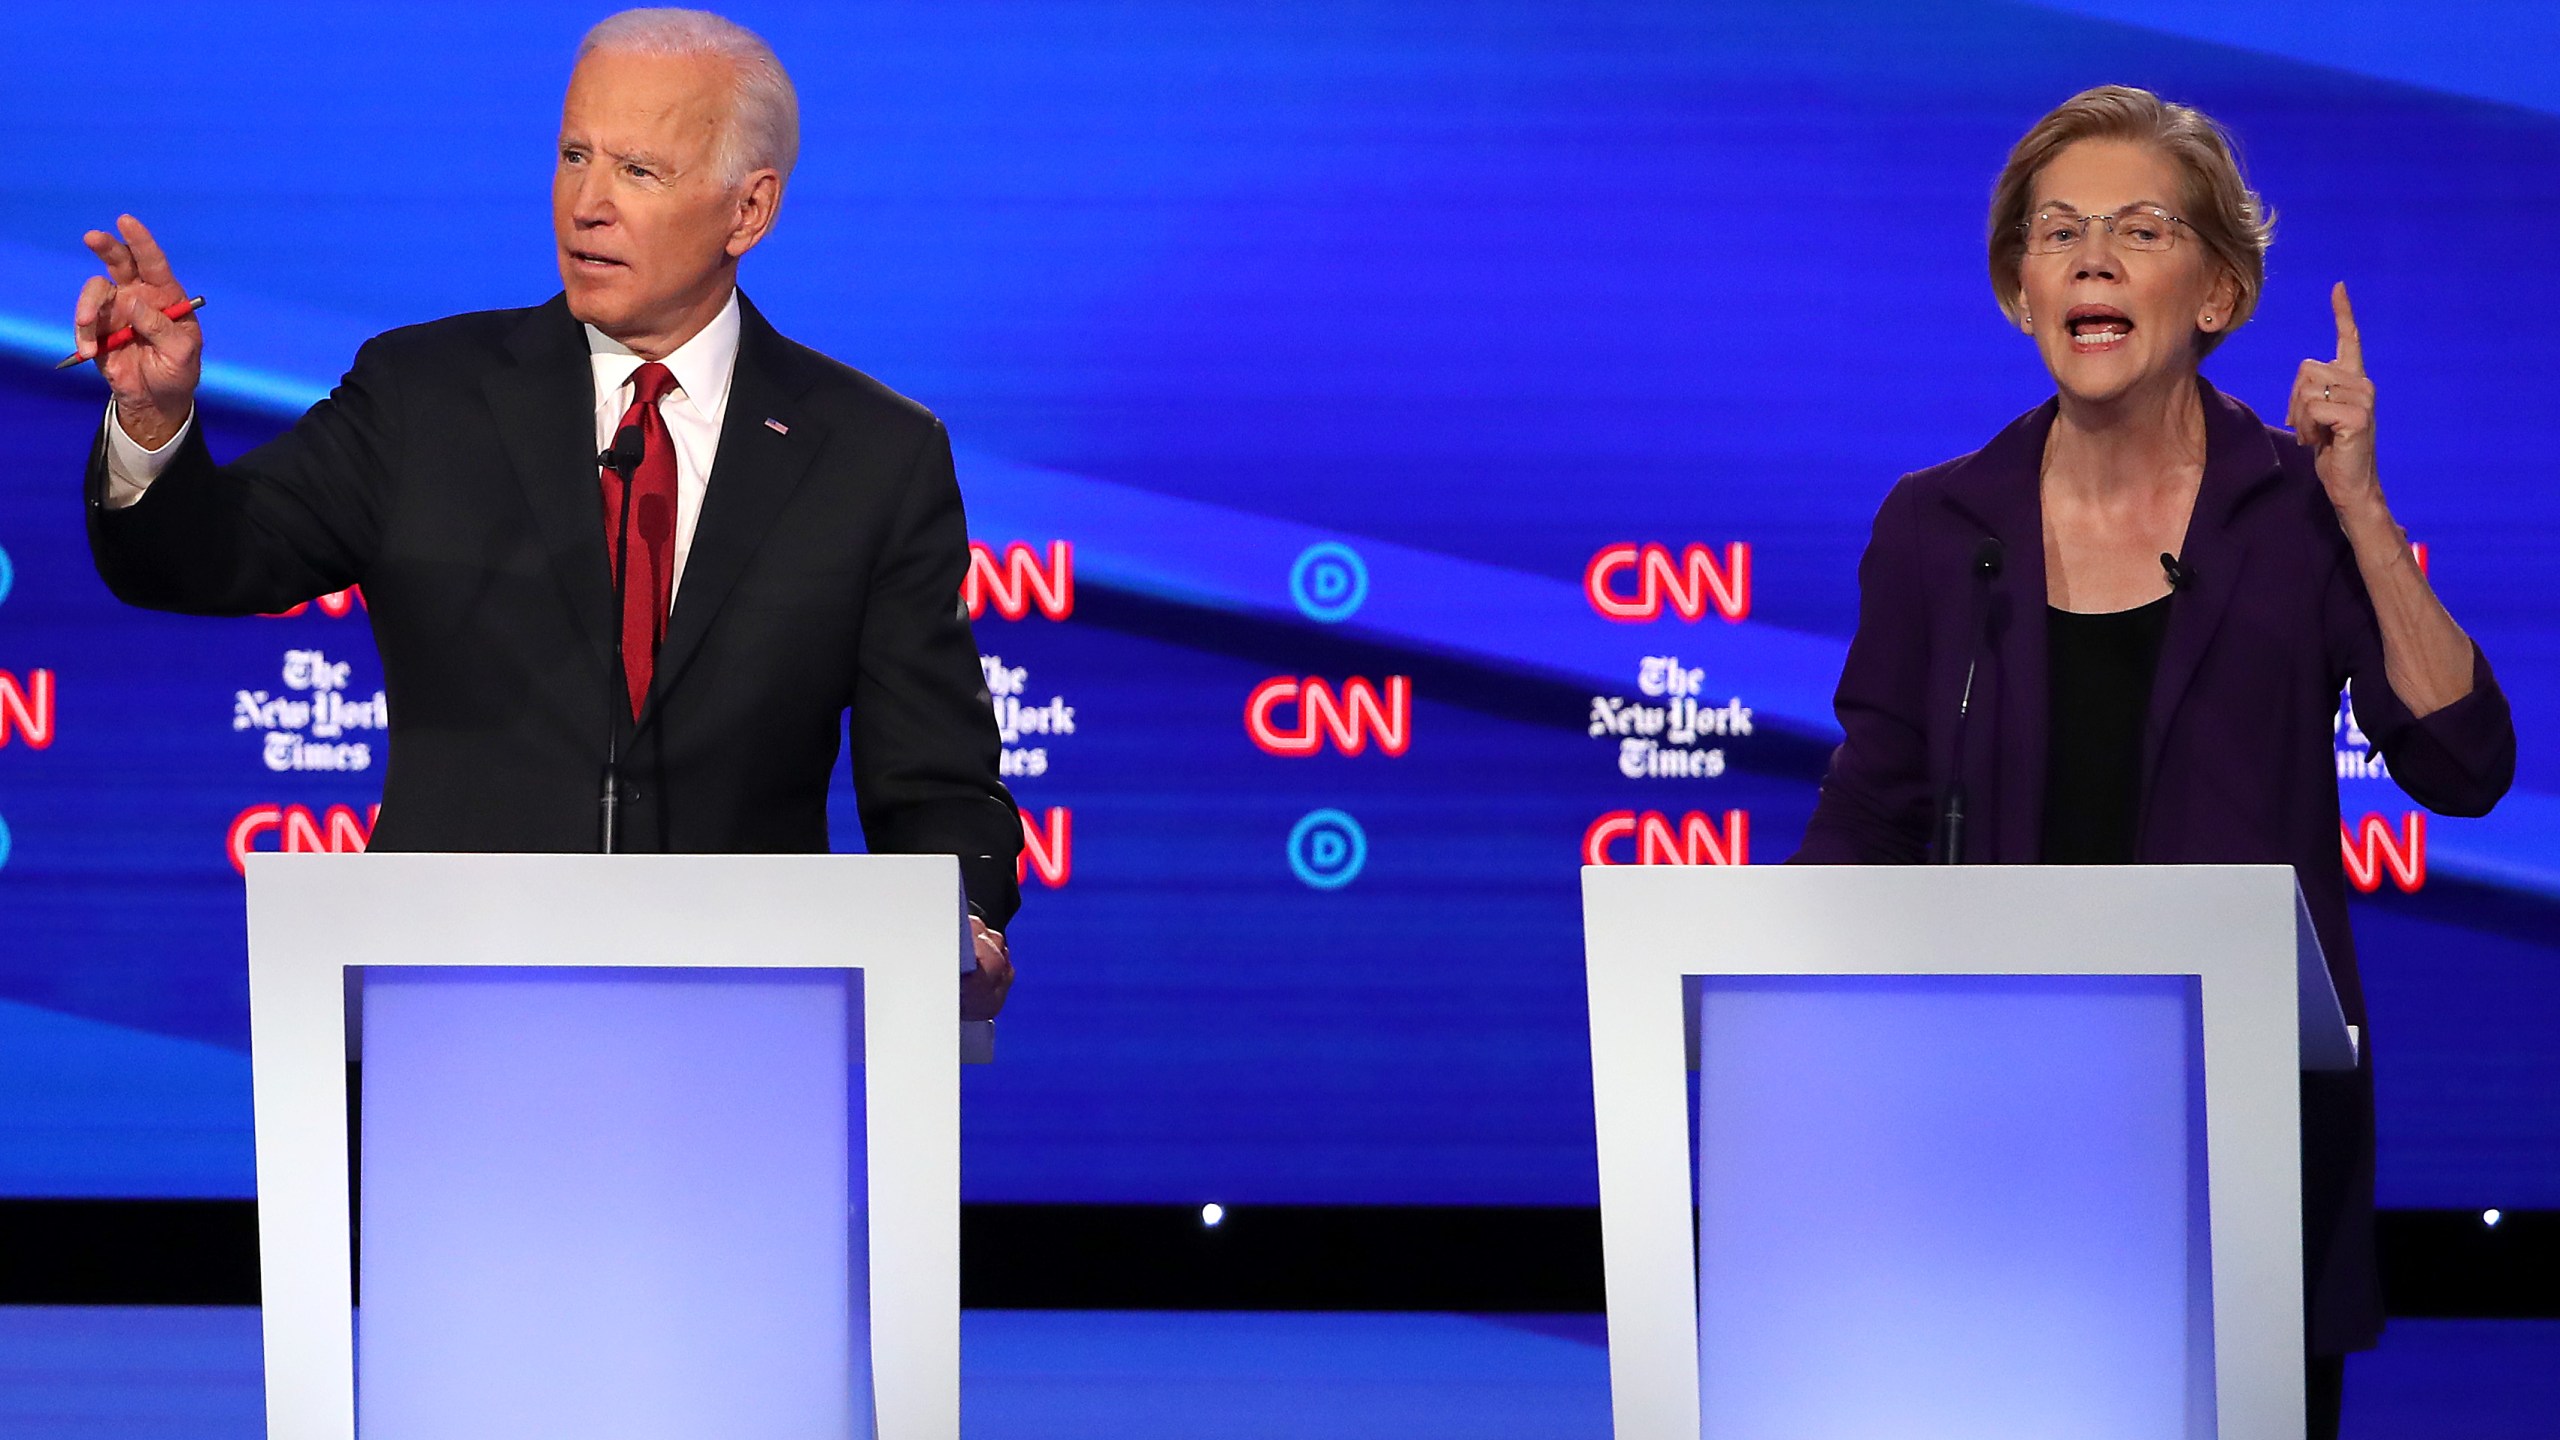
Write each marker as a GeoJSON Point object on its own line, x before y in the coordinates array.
{"type": "Point", "coordinates": [2107, 177]}
{"type": "Point", "coordinates": [670, 102]}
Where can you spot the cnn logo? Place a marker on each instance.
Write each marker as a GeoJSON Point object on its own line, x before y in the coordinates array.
{"type": "Point", "coordinates": [336, 831]}
{"type": "Point", "coordinates": [26, 708]}
{"type": "Point", "coordinates": [1633, 582]}
{"type": "Point", "coordinates": [1290, 716]}
{"type": "Point", "coordinates": [337, 605]}
{"type": "Point", "coordinates": [2372, 851]}
{"type": "Point", "coordinates": [1048, 847]}
{"type": "Point", "coordinates": [1628, 837]}
{"type": "Point", "coordinates": [1020, 581]}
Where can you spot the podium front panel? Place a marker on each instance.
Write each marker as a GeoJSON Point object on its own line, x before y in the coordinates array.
{"type": "Point", "coordinates": [2233, 937]}
{"type": "Point", "coordinates": [611, 1203]}
{"type": "Point", "coordinates": [897, 920]}
{"type": "Point", "coordinates": [1952, 1208]}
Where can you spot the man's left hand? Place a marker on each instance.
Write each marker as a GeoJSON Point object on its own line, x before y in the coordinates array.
{"type": "Point", "coordinates": [982, 990]}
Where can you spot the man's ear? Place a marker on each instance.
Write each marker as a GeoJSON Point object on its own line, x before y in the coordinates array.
{"type": "Point", "coordinates": [759, 200]}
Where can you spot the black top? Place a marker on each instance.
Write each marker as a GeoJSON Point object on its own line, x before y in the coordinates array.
{"type": "Point", "coordinates": [2101, 669]}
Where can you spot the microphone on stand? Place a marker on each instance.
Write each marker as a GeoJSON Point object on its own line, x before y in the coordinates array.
{"type": "Point", "coordinates": [621, 458]}
{"type": "Point", "coordinates": [1987, 556]}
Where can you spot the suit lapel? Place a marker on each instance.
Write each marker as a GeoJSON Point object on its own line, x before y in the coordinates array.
{"type": "Point", "coordinates": [2238, 460]}
{"type": "Point", "coordinates": [1999, 493]}
{"type": "Point", "coordinates": [752, 478]}
{"type": "Point", "coordinates": [545, 406]}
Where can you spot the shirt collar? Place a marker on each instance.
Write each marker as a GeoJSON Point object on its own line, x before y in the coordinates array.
{"type": "Point", "coordinates": [703, 365]}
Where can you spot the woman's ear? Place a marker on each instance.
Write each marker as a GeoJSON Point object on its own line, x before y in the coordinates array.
{"type": "Point", "coordinates": [2221, 303]}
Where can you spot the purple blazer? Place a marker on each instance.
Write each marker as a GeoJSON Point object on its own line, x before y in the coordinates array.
{"type": "Point", "coordinates": [2237, 753]}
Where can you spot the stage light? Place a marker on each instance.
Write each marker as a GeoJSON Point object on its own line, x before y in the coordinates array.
{"type": "Point", "coordinates": [1213, 1212]}
{"type": "Point", "coordinates": [2491, 1218]}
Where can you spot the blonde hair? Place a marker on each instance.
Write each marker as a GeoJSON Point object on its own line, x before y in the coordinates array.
{"type": "Point", "coordinates": [764, 116]}
{"type": "Point", "coordinates": [2227, 217]}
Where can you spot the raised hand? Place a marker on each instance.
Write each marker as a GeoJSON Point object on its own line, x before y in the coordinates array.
{"type": "Point", "coordinates": [2332, 412]}
{"type": "Point", "coordinates": [155, 377]}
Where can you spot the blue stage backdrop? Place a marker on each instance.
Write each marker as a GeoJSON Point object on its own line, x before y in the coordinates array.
{"type": "Point", "coordinates": [1413, 447]}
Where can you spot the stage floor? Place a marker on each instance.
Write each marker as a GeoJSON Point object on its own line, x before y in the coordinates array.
{"type": "Point", "coordinates": [138, 1374]}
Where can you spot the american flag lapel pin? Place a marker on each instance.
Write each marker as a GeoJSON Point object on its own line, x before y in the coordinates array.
{"type": "Point", "coordinates": [776, 426]}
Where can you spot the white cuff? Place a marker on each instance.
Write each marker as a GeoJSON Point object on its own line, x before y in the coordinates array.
{"type": "Point", "coordinates": [130, 468]}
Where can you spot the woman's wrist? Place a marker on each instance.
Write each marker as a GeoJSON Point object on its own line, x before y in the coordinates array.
{"type": "Point", "coordinates": [2371, 530]}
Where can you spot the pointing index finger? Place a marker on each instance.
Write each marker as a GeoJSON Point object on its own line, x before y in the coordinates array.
{"type": "Point", "coordinates": [2350, 343]}
{"type": "Point", "coordinates": [148, 261]}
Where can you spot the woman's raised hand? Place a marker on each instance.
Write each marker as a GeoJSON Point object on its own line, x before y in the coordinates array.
{"type": "Point", "coordinates": [154, 378]}
{"type": "Point", "coordinates": [2332, 412]}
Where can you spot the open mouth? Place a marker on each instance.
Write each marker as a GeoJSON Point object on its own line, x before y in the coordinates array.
{"type": "Point", "coordinates": [2097, 327]}
{"type": "Point", "coordinates": [589, 260]}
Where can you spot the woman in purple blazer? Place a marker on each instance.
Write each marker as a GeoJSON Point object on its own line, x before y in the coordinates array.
{"type": "Point", "coordinates": [2155, 600]}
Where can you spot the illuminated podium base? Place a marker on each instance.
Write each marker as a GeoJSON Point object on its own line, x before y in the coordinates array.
{"type": "Point", "coordinates": [651, 1145]}
{"type": "Point", "coordinates": [1986, 1153]}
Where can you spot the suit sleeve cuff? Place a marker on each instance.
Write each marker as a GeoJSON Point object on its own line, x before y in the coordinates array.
{"type": "Point", "coordinates": [130, 468]}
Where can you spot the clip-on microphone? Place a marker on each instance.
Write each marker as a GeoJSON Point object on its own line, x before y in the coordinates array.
{"type": "Point", "coordinates": [1987, 556]}
{"type": "Point", "coordinates": [621, 458]}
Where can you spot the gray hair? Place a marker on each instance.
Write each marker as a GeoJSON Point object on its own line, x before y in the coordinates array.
{"type": "Point", "coordinates": [763, 131]}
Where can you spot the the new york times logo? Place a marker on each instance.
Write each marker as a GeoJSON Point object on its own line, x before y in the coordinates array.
{"type": "Point", "coordinates": [308, 725]}
{"type": "Point", "coordinates": [1672, 733]}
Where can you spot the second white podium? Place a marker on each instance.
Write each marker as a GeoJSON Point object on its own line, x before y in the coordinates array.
{"type": "Point", "coordinates": [1980, 1152]}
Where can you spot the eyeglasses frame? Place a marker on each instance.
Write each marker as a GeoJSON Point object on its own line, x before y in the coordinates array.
{"type": "Point", "coordinates": [2026, 227]}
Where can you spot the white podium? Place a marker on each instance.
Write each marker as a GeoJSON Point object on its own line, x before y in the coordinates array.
{"type": "Point", "coordinates": [653, 1144]}
{"type": "Point", "coordinates": [1980, 1152]}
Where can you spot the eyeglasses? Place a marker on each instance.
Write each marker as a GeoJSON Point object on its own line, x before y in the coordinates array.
{"type": "Point", "coordinates": [2136, 227]}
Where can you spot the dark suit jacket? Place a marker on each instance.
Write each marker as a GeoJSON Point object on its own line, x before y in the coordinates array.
{"type": "Point", "coordinates": [2238, 759]}
{"type": "Point", "coordinates": [452, 473]}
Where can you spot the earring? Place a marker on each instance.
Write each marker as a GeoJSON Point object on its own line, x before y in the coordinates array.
{"type": "Point", "coordinates": [2207, 320]}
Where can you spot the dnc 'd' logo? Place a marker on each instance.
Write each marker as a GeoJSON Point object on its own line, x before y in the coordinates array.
{"type": "Point", "coordinates": [1286, 715]}
{"type": "Point", "coordinates": [1020, 581]}
{"type": "Point", "coordinates": [1633, 583]}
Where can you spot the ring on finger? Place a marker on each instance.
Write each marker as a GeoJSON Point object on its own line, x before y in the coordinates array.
{"type": "Point", "coordinates": [2324, 391]}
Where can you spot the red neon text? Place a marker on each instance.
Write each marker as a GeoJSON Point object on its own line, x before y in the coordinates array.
{"type": "Point", "coordinates": [1690, 583]}
{"type": "Point", "coordinates": [2370, 849]}
{"type": "Point", "coordinates": [1695, 841]}
{"type": "Point", "coordinates": [1348, 717]}
{"type": "Point", "coordinates": [27, 707]}
{"type": "Point", "coordinates": [1018, 582]}
{"type": "Point", "coordinates": [1048, 847]}
{"type": "Point", "coordinates": [338, 831]}
{"type": "Point", "coordinates": [337, 605]}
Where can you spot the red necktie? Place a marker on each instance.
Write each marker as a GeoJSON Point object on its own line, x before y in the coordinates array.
{"type": "Point", "coordinates": [651, 579]}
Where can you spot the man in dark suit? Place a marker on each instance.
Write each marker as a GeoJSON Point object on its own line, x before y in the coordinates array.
{"type": "Point", "coordinates": [795, 544]}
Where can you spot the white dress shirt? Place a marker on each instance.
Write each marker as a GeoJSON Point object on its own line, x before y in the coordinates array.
{"type": "Point", "coordinates": [694, 410]}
